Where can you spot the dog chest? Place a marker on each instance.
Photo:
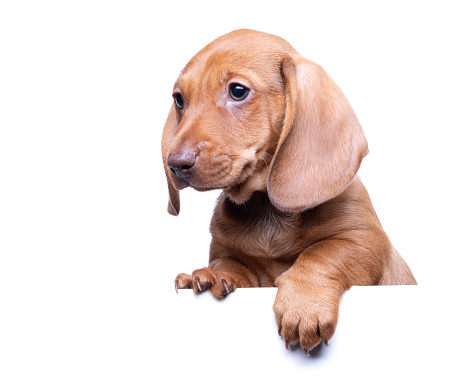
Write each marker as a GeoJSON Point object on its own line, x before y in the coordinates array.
{"type": "Point", "coordinates": [258, 229]}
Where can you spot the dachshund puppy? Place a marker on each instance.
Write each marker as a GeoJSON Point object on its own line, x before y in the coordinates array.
{"type": "Point", "coordinates": [270, 128]}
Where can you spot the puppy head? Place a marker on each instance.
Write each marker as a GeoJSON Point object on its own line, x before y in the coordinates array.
{"type": "Point", "coordinates": [251, 114]}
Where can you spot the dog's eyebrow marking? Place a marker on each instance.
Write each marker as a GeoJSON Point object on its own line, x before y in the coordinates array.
{"type": "Point", "coordinates": [176, 87]}
{"type": "Point", "coordinates": [245, 77]}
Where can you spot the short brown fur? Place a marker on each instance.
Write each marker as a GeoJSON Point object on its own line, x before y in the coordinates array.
{"type": "Point", "coordinates": [292, 213]}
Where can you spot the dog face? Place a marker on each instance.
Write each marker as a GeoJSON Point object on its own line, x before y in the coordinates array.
{"type": "Point", "coordinates": [228, 110]}
{"type": "Point", "coordinates": [251, 114]}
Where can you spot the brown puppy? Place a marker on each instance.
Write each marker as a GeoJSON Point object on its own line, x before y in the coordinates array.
{"type": "Point", "coordinates": [272, 129]}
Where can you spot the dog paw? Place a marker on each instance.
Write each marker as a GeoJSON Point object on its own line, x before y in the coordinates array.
{"type": "Point", "coordinates": [306, 314]}
{"type": "Point", "coordinates": [220, 284]}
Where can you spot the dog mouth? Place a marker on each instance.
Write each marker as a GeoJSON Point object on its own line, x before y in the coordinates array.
{"type": "Point", "coordinates": [223, 171]}
{"type": "Point", "coordinates": [221, 176]}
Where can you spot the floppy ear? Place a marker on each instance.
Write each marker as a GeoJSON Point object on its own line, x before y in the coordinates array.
{"type": "Point", "coordinates": [170, 127]}
{"type": "Point", "coordinates": [321, 144]}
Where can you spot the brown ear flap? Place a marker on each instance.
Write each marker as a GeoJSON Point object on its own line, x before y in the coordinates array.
{"type": "Point", "coordinates": [322, 143]}
{"type": "Point", "coordinates": [170, 127]}
{"type": "Point", "coordinates": [173, 205]}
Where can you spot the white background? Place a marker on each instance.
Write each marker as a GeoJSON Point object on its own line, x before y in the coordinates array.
{"type": "Point", "coordinates": [88, 253]}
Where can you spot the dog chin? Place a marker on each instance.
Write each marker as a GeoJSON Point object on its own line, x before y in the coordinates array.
{"type": "Point", "coordinates": [196, 184]}
{"type": "Point", "coordinates": [208, 187]}
{"type": "Point", "coordinates": [238, 191]}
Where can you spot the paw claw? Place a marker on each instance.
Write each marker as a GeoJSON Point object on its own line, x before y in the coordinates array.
{"type": "Point", "coordinates": [176, 284]}
{"type": "Point", "coordinates": [287, 345]}
{"type": "Point", "coordinates": [224, 282]}
{"type": "Point", "coordinates": [327, 344]}
{"type": "Point", "coordinates": [306, 352]}
{"type": "Point", "coordinates": [279, 331]}
{"type": "Point", "coordinates": [227, 288]}
{"type": "Point", "coordinates": [198, 283]}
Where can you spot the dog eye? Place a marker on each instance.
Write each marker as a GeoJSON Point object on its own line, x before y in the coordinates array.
{"type": "Point", "coordinates": [179, 100]}
{"type": "Point", "coordinates": [238, 92]}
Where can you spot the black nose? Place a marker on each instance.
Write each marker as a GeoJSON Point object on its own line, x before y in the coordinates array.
{"type": "Point", "coordinates": [181, 163]}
